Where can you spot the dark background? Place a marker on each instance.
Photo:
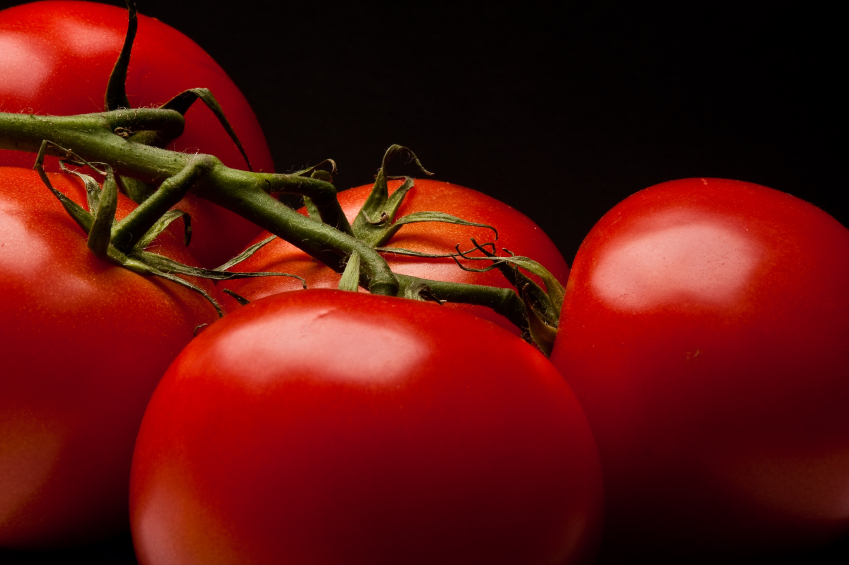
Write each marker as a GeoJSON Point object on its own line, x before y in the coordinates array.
{"type": "Point", "coordinates": [560, 109]}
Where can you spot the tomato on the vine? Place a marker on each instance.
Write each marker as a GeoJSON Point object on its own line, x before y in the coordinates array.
{"type": "Point", "coordinates": [83, 343]}
{"type": "Point", "coordinates": [56, 58]}
{"type": "Point", "coordinates": [516, 232]}
{"type": "Point", "coordinates": [706, 332]}
{"type": "Point", "coordinates": [326, 426]}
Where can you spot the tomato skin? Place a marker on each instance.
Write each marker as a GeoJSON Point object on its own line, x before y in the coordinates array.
{"type": "Point", "coordinates": [706, 332]}
{"type": "Point", "coordinates": [83, 344]}
{"type": "Point", "coordinates": [516, 232]}
{"type": "Point", "coordinates": [56, 58]}
{"type": "Point", "coordinates": [336, 427]}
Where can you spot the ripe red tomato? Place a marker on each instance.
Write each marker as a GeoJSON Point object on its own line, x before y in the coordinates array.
{"type": "Point", "coordinates": [706, 332]}
{"type": "Point", "coordinates": [56, 57]}
{"type": "Point", "coordinates": [83, 343]}
{"type": "Point", "coordinates": [516, 232]}
{"type": "Point", "coordinates": [326, 426]}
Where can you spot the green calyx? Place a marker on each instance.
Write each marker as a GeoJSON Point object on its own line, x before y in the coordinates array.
{"type": "Point", "coordinates": [375, 223]}
{"type": "Point", "coordinates": [100, 225]}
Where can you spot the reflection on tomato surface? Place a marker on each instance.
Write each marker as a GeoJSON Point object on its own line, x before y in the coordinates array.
{"type": "Point", "coordinates": [679, 257]}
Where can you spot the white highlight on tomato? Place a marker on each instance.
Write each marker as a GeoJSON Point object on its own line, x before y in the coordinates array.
{"type": "Point", "coordinates": [87, 40]}
{"type": "Point", "coordinates": [22, 69]}
{"type": "Point", "coordinates": [677, 258]}
{"type": "Point", "coordinates": [350, 362]}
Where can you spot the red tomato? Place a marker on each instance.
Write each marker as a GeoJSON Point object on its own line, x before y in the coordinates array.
{"type": "Point", "coordinates": [515, 230]}
{"type": "Point", "coordinates": [83, 344]}
{"type": "Point", "coordinates": [706, 332]}
{"type": "Point", "coordinates": [337, 427]}
{"type": "Point", "coordinates": [56, 57]}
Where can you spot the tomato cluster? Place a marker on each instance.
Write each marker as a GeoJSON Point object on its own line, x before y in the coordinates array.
{"type": "Point", "coordinates": [692, 407]}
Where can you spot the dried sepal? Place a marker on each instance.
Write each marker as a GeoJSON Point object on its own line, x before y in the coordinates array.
{"type": "Point", "coordinates": [548, 301]}
{"type": "Point", "coordinates": [351, 275]}
{"type": "Point", "coordinates": [312, 209]}
{"type": "Point", "coordinates": [82, 217]}
{"type": "Point", "coordinates": [140, 266]}
{"type": "Point", "coordinates": [420, 290]}
{"type": "Point", "coordinates": [379, 204]}
{"type": "Point", "coordinates": [542, 333]}
{"type": "Point", "coordinates": [116, 90]}
{"type": "Point", "coordinates": [92, 188]}
{"type": "Point", "coordinates": [162, 224]}
{"type": "Point", "coordinates": [417, 217]}
{"type": "Point", "coordinates": [246, 253]}
{"type": "Point", "coordinates": [100, 233]}
{"type": "Point", "coordinates": [237, 297]}
{"type": "Point", "coordinates": [169, 265]}
{"type": "Point", "coordinates": [311, 171]}
{"type": "Point", "coordinates": [183, 101]}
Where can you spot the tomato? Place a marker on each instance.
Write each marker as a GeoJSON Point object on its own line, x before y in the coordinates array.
{"type": "Point", "coordinates": [706, 331]}
{"type": "Point", "coordinates": [83, 343]}
{"type": "Point", "coordinates": [56, 57]}
{"type": "Point", "coordinates": [327, 426]}
{"type": "Point", "coordinates": [516, 232]}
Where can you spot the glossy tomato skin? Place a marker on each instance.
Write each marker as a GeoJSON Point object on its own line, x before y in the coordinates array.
{"type": "Point", "coordinates": [83, 344]}
{"type": "Point", "coordinates": [516, 232]}
{"type": "Point", "coordinates": [706, 332]}
{"type": "Point", "coordinates": [56, 57]}
{"type": "Point", "coordinates": [325, 427]}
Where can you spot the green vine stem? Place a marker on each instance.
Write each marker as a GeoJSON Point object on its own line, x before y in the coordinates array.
{"type": "Point", "coordinates": [102, 138]}
{"type": "Point", "coordinates": [129, 144]}
{"type": "Point", "coordinates": [92, 137]}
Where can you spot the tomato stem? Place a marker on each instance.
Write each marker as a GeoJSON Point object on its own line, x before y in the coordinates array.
{"type": "Point", "coordinates": [102, 138]}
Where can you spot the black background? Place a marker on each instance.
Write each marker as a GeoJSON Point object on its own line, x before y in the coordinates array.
{"type": "Point", "coordinates": [560, 109]}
